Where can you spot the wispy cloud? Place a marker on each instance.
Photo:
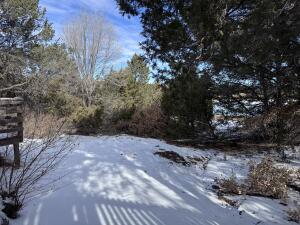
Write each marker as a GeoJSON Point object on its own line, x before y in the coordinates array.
{"type": "Point", "coordinates": [128, 30]}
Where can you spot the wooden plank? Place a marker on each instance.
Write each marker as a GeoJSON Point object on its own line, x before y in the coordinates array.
{"type": "Point", "coordinates": [11, 130]}
{"type": "Point", "coordinates": [4, 121]}
{"type": "Point", "coordinates": [11, 123]}
{"type": "Point", "coordinates": [10, 116]}
{"type": "Point", "coordinates": [11, 101]}
{"type": "Point", "coordinates": [10, 126]}
{"type": "Point", "coordinates": [3, 107]}
{"type": "Point", "coordinates": [15, 99]}
{"type": "Point", "coordinates": [9, 110]}
{"type": "Point", "coordinates": [10, 141]}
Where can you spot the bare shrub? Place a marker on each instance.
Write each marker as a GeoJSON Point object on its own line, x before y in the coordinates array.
{"type": "Point", "coordinates": [229, 186]}
{"type": "Point", "coordinates": [38, 158]}
{"type": "Point", "coordinates": [294, 215]}
{"type": "Point", "coordinates": [265, 179]}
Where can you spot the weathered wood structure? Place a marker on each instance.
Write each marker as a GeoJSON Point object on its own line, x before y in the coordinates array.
{"type": "Point", "coordinates": [11, 125]}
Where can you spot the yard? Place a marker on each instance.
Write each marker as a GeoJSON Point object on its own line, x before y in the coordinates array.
{"type": "Point", "coordinates": [117, 180]}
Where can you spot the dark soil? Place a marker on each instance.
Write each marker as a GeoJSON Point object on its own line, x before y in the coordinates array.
{"type": "Point", "coordinates": [173, 156]}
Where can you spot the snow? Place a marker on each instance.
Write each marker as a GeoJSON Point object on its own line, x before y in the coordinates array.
{"type": "Point", "coordinates": [117, 180]}
{"type": "Point", "coordinates": [8, 135]}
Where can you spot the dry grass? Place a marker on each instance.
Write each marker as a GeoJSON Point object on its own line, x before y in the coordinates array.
{"type": "Point", "coordinates": [39, 125]}
{"type": "Point", "coordinates": [264, 179]}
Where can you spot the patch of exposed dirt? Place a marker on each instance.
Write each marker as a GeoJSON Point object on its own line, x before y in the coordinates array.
{"type": "Point", "coordinates": [188, 161]}
{"type": "Point", "coordinates": [173, 156]}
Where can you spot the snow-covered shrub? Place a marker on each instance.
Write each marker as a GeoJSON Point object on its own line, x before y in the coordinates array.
{"type": "Point", "coordinates": [294, 214]}
{"type": "Point", "coordinates": [268, 180]}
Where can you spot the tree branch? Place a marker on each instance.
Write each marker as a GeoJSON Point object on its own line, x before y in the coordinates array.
{"type": "Point", "coordinates": [13, 86]}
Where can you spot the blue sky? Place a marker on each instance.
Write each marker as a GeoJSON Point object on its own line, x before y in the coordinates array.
{"type": "Point", "coordinates": [128, 30]}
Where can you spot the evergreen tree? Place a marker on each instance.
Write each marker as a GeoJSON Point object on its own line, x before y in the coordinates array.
{"type": "Point", "coordinates": [137, 77]}
{"type": "Point", "coordinates": [170, 40]}
{"type": "Point", "coordinates": [23, 28]}
{"type": "Point", "coordinates": [251, 48]}
{"type": "Point", "coordinates": [187, 102]}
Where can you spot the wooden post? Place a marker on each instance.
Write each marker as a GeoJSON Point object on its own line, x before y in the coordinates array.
{"type": "Point", "coordinates": [17, 155]}
{"type": "Point", "coordinates": [11, 123]}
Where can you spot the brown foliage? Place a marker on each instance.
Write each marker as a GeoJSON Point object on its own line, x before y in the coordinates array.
{"type": "Point", "coordinates": [39, 125]}
{"type": "Point", "coordinates": [266, 179]}
{"type": "Point", "coordinates": [229, 186]}
{"type": "Point", "coordinates": [148, 122]}
{"type": "Point", "coordinates": [277, 125]}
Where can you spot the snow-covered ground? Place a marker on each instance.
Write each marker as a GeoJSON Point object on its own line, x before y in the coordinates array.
{"type": "Point", "coordinates": [118, 180]}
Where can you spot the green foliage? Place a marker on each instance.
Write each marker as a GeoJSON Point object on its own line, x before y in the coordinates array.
{"type": "Point", "coordinates": [52, 95]}
{"type": "Point", "coordinates": [88, 119]}
{"type": "Point", "coordinates": [137, 76]}
{"type": "Point", "coordinates": [123, 114]}
{"type": "Point", "coordinates": [23, 28]}
{"type": "Point", "coordinates": [52, 60]}
{"type": "Point", "coordinates": [187, 103]}
{"type": "Point", "coordinates": [131, 103]}
{"type": "Point", "coordinates": [61, 104]}
{"type": "Point", "coordinates": [250, 48]}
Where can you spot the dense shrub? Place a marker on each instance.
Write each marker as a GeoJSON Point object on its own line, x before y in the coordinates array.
{"type": "Point", "coordinates": [120, 120]}
{"type": "Point", "coordinates": [122, 114]}
{"type": "Point", "coordinates": [266, 179]}
{"type": "Point", "coordinates": [38, 125]}
{"type": "Point", "coordinates": [62, 104]}
{"type": "Point", "coordinates": [148, 122]}
{"type": "Point", "coordinates": [230, 186]}
{"type": "Point", "coordinates": [142, 121]}
{"type": "Point", "coordinates": [277, 125]}
{"type": "Point", "coordinates": [88, 119]}
{"type": "Point", "coordinates": [187, 103]}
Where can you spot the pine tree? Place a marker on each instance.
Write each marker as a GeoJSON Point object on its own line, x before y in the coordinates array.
{"type": "Point", "coordinates": [251, 48]}
{"type": "Point", "coordinates": [23, 28]}
{"type": "Point", "coordinates": [137, 77]}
